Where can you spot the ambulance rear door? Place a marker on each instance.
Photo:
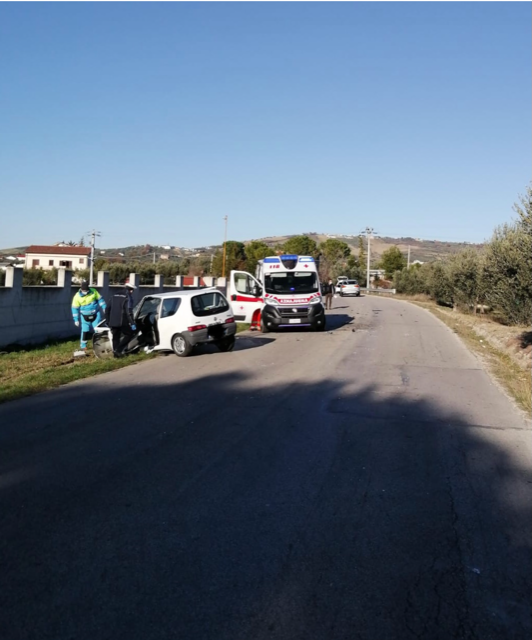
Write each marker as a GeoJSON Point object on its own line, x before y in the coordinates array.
{"type": "Point", "coordinates": [245, 296]}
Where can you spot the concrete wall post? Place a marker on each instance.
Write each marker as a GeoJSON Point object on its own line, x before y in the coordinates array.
{"type": "Point", "coordinates": [158, 282]}
{"type": "Point", "coordinates": [221, 283]}
{"type": "Point", "coordinates": [64, 277]}
{"type": "Point", "coordinates": [14, 278]}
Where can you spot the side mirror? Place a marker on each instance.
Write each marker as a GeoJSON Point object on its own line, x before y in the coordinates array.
{"type": "Point", "coordinates": [257, 291]}
{"type": "Point", "coordinates": [233, 297]}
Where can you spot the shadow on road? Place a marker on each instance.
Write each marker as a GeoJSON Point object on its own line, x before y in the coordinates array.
{"type": "Point", "coordinates": [337, 321]}
{"type": "Point", "coordinates": [244, 342]}
{"type": "Point", "coordinates": [220, 508]}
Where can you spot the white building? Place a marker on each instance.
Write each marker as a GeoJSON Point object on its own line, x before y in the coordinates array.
{"type": "Point", "coordinates": [42, 257]}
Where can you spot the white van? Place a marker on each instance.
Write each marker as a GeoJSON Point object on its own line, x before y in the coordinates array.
{"type": "Point", "coordinates": [284, 293]}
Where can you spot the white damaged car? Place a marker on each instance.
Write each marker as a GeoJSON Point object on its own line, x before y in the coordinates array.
{"type": "Point", "coordinates": [177, 322]}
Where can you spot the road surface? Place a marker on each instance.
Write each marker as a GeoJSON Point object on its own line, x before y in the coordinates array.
{"type": "Point", "coordinates": [366, 484]}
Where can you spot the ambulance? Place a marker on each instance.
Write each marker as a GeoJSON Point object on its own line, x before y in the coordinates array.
{"type": "Point", "coordinates": [284, 293]}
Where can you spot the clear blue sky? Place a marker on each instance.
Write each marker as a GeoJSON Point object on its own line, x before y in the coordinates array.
{"type": "Point", "coordinates": [150, 122]}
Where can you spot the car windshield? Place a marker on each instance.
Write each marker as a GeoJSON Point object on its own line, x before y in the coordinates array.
{"type": "Point", "coordinates": [291, 282]}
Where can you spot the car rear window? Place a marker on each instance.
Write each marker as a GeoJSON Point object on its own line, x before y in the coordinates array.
{"type": "Point", "coordinates": [352, 282]}
{"type": "Point", "coordinates": [209, 304]}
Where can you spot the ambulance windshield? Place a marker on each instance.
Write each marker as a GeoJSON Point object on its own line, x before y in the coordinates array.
{"type": "Point", "coordinates": [291, 282]}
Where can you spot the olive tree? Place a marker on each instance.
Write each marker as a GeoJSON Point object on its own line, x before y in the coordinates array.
{"type": "Point", "coordinates": [301, 246]}
{"type": "Point", "coordinates": [392, 260]}
{"type": "Point", "coordinates": [333, 258]}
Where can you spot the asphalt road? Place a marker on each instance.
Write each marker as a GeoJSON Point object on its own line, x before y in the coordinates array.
{"type": "Point", "coordinates": [367, 484]}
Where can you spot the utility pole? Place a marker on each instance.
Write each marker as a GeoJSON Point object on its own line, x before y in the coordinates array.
{"type": "Point", "coordinates": [225, 245]}
{"type": "Point", "coordinates": [408, 262]}
{"type": "Point", "coordinates": [93, 242]}
{"type": "Point", "coordinates": [369, 231]}
{"type": "Point", "coordinates": [154, 257]}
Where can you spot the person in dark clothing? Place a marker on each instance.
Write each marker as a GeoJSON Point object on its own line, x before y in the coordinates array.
{"type": "Point", "coordinates": [119, 316]}
{"type": "Point", "coordinates": [327, 291]}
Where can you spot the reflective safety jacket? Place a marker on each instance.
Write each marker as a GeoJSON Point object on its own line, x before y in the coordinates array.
{"type": "Point", "coordinates": [88, 305]}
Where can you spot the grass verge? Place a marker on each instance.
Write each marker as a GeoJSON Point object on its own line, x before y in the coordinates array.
{"type": "Point", "coordinates": [29, 370]}
{"type": "Point", "coordinates": [25, 372]}
{"type": "Point", "coordinates": [513, 378]}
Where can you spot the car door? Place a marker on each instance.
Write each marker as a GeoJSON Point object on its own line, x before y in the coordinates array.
{"type": "Point", "coordinates": [147, 317]}
{"type": "Point", "coordinates": [245, 296]}
{"type": "Point", "coordinates": [168, 323]}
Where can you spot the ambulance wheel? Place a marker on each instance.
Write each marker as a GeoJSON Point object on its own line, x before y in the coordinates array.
{"type": "Point", "coordinates": [227, 344]}
{"type": "Point", "coordinates": [319, 327]}
{"type": "Point", "coordinates": [181, 346]}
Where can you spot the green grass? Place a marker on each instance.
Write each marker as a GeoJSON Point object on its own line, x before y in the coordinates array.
{"type": "Point", "coordinates": [28, 370]}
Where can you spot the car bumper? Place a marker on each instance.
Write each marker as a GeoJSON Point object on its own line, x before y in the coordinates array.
{"type": "Point", "coordinates": [212, 333]}
{"type": "Point", "coordinates": [312, 315]}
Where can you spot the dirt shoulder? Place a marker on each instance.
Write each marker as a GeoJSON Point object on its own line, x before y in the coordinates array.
{"type": "Point", "coordinates": [506, 351]}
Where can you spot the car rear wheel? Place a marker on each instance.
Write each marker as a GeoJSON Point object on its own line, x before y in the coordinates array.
{"type": "Point", "coordinates": [181, 346]}
{"type": "Point", "coordinates": [227, 344]}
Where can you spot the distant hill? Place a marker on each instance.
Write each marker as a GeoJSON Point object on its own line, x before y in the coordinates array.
{"type": "Point", "coordinates": [420, 249]}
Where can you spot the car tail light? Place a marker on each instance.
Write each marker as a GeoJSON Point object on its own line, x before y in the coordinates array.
{"type": "Point", "coordinates": [229, 320]}
{"type": "Point", "coordinates": [197, 327]}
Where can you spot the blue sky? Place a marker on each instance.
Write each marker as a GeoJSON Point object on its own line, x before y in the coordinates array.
{"type": "Point", "coordinates": [151, 121]}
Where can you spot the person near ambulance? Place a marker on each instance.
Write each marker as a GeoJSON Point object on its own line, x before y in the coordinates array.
{"type": "Point", "coordinates": [327, 291]}
{"type": "Point", "coordinates": [119, 316]}
{"type": "Point", "coordinates": [88, 307]}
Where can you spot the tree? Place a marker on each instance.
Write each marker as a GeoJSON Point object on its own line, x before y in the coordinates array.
{"type": "Point", "coordinates": [392, 260]}
{"type": "Point", "coordinates": [301, 246]}
{"type": "Point", "coordinates": [355, 269]}
{"type": "Point", "coordinates": [333, 258]}
{"type": "Point", "coordinates": [507, 273]}
{"type": "Point", "coordinates": [255, 251]}
{"type": "Point", "coordinates": [361, 252]}
{"type": "Point", "coordinates": [523, 208]}
{"type": "Point", "coordinates": [235, 258]}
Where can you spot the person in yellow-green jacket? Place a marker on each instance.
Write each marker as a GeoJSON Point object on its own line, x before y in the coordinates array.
{"type": "Point", "coordinates": [87, 310]}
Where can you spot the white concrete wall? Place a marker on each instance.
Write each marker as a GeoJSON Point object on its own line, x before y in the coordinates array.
{"type": "Point", "coordinates": [33, 315]}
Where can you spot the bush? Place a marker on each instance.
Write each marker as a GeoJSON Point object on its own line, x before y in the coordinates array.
{"type": "Point", "coordinates": [36, 277]}
{"type": "Point", "coordinates": [507, 274]}
{"type": "Point", "coordinates": [463, 277]}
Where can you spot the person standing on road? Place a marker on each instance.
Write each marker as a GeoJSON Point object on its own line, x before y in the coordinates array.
{"type": "Point", "coordinates": [327, 291]}
{"type": "Point", "coordinates": [119, 316]}
{"type": "Point", "coordinates": [87, 310]}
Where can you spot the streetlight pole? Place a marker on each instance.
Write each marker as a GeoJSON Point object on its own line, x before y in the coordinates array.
{"type": "Point", "coordinates": [225, 247]}
{"type": "Point", "coordinates": [93, 242]}
{"type": "Point", "coordinates": [369, 231]}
